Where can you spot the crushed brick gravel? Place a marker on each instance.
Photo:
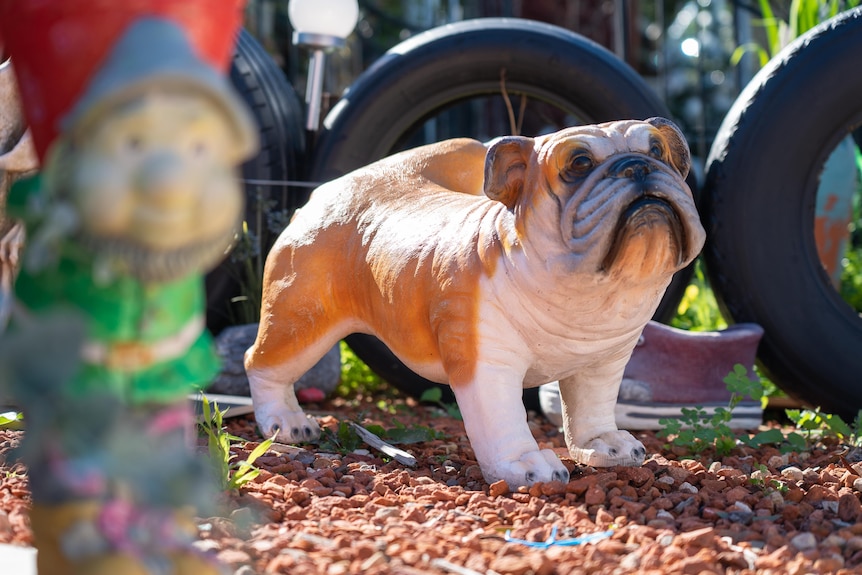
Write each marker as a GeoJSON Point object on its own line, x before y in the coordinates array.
{"type": "Point", "coordinates": [316, 512]}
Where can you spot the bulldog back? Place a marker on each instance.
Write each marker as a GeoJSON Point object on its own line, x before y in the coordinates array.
{"type": "Point", "coordinates": [388, 250]}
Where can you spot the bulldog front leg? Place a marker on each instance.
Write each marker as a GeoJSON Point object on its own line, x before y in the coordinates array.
{"type": "Point", "coordinates": [496, 423]}
{"type": "Point", "coordinates": [588, 401]}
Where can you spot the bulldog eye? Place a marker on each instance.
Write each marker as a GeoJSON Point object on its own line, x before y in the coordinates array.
{"type": "Point", "coordinates": [579, 164]}
{"type": "Point", "coordinates": [656, 150]}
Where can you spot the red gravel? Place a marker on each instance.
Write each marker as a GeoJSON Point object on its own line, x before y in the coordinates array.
{"type": "Point", "coordinates": [316, 512]}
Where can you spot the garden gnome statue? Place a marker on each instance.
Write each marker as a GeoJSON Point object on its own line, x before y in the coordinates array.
{"type": "Point", "coordinates": [138, 133]}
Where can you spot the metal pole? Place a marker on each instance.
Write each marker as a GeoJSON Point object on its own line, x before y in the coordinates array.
{"type": "Point", "coordinates": [314, 90]}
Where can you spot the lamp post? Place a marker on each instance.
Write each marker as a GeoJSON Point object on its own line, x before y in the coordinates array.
{"type": "Point", "coordinates": [320, 26]}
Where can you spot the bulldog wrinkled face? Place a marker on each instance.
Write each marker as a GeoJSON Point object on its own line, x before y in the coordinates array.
{"type": "Point", "coordinates": [624, 204]}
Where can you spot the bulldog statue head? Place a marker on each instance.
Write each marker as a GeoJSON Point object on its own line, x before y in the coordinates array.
{"type": "Point", "coordinates": [551, 274]}
{"type": "Point", "coordinates": [617, 194]}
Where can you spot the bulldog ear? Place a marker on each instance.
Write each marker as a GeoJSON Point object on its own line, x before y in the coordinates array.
{"type": "Point", "coordinates": [679, 153]}
{"type": "Point", "coordinates": [505, 166]}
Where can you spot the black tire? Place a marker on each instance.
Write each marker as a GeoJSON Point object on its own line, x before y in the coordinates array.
{"type": "Point", "coordinates": [279, 117]}
{"type": "Point", "coordinates": [759, 206]}
{"type": "Point", "coordinates": [382, 111]}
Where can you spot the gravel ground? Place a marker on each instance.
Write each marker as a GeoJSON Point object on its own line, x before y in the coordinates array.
{"type": "Point", "coordinates": [314, 511]}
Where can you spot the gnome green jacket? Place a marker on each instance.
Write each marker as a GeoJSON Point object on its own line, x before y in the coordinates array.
{"type": "Point", "coordinates": [146, 341]}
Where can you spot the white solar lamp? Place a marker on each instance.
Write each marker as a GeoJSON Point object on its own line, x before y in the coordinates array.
{"type": "Point", "coordinates": [320, 26]}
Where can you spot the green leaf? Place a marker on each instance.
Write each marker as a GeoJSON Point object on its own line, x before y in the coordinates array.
{"type": "Point", "coordinates": [432, 395]}
{"type": "Point", "coordinates": [796, 442]}
{"type": "Point", "coordinates": [738, 382]}
{"type": "Point", "coordinates": [725, 445]}
{"type": "Point", "coordinates": [669, 427]}
{"type": "Point", "coordinates": [377, 430]}
{"type": "Point", "coordinates": [241, 477]}
{"type": "Point", "coordinates": [12, 420]}
{"type": "Point", "coordinates": [765, 437]}
{"type": "Point", "coordinates": [770, 25]}
{"type": "Point", "coordinates": [837, 425]}
{"type": "Point", "coordinates": [408, 435]}
{"type": "Point", "coordinates": [258, 451]}
{"type": "Point", "coordinates": [740, 51]}
{"type": "Point", "coordinates": [857, 428]}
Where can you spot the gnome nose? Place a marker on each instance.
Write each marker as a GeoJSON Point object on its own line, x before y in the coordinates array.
{"type": "Point", "coordinates": [631, 167]}
{"type": "Point", "coordinates": [162, 182]}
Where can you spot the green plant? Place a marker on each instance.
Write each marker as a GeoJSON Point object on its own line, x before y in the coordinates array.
{"type": "Point", "coordinates": [249, 255]}
{"type": "Point", "coordinates": [801, 17]}
{"type": "Point", "coordinates": [696, 430]}
{"type": "Point", "coordinates": [851, 279]}
{"type": "Point", "coordinates": [345, 439]}
{"type": "Point", "coordinates": [740, 385]}
{"type": "Point", "coordinates": [435, 395]}
{"type": "Point", "coordinates": [851, 274]}
{"type": "Point", "coordinates": [342, 440]}
{"type": "Point", "coordinates": [356, 377]}
{"type": "Point", "coordinates": [758, 479]}
{"type": "Point", "coordinates": [404, 435]}
{"type": "Point", "coordinates": [757, 475]}
{"type": "Point", "coordinates": [817, 424]}
{"type": "Point", "coordinates": [247, 270]}
{"type": "Point", "coordinates": [12, 420]}
{"type": "Point", "coordinates": [698, 309]}
{"type": "Point", "coordinates": [231, 473]}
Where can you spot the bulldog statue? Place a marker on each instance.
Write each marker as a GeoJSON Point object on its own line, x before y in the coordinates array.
{"type": "Point", "coordinates": [550, 275]}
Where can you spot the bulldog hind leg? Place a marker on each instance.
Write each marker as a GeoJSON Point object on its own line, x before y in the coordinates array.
{"type": "Point", "coordinates": [496, 423]}
{"type": "Point", "coordinates": [273, 364]}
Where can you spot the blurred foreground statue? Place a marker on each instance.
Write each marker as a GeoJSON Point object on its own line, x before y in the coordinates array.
{"type": "Point", "coordinates": [138, 133]}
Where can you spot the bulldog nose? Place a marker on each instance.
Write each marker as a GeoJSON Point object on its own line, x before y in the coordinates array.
{"type": "Point", "coordinates": [633, 168]}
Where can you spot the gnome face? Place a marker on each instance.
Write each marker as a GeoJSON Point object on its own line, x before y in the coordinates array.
{"type": "Point", "coordinates": [156, 171]}
{"type": "Point", "coordinates": [152, 183]}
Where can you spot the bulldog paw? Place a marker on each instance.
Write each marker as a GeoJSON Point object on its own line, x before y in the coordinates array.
{"type": "Point", "coordinates": [290, 426]}
{"type": "Point", "coordinates": [610, 449]}
{"type": "Point", "coordinates": [532, 467]}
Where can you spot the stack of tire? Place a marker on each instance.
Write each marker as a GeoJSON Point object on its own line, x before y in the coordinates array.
{"type": "Point", "coordinates": [757, 206]}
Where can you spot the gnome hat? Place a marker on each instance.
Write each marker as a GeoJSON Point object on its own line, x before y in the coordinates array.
{"type": "Point", "coordinates": [58, 46]}
{"type": "Point", "coordinates": [154, 53]}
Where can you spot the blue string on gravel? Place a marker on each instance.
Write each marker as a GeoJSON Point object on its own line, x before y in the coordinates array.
{"type": "Point", "coordinates": [552, 540]}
